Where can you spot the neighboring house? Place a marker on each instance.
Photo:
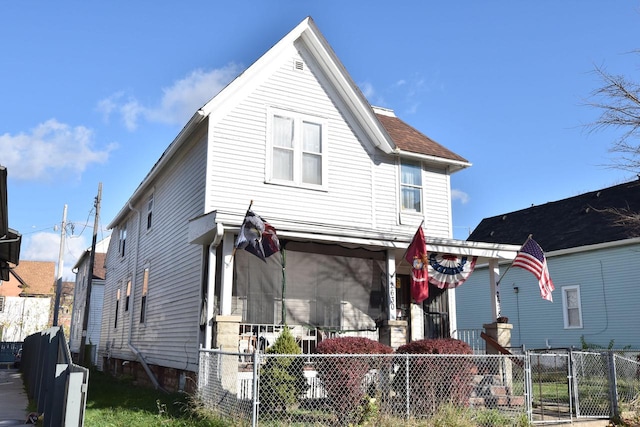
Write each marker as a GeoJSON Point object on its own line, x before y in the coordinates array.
{"type": "Point", "coordinates": [593, 260]}
{"type": "Point", "coordinates": [345, 185]}
{"type": "Point", "coordinates": [66, 306]}
{"type": "Point", "coordinates": [26, 299]}
{"type": "Point", "coordinates": [82, 268]}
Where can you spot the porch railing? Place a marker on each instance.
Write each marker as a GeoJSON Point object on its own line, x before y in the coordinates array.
{"type": "Point", "coordinates": [471, 337]}
{"type": "Point", "coordinates": [262, 336]}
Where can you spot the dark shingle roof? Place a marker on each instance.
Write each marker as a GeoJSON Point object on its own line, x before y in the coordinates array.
{"type": "Point", "coordinates": [410, 139]}
{"type": "Point", "coordinates": [568, 223]}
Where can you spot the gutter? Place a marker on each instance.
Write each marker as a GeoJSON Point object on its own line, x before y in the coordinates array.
{"type": "Point", "coordinates": [455, 165]}
{"type": "Point", "coordinates": [134, 281]}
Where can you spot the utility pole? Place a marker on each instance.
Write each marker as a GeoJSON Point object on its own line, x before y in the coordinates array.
{"type": "Point", "coordinates": [92, 259]}
{"type": "Point", "coordinates": [56, 306]}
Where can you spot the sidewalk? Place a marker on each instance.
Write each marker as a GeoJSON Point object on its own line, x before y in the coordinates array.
{"type": "Point", "coordinates": [13, 399]}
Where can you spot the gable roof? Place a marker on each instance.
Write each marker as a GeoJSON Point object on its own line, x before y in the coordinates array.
{"type": "Point", "coordinates": [356, 106]}
{"type": "Point", "coordinates": [411, 141]}
{"type": "Point", "coordinates": [573, 222]}
{"type": "Point", "coordinates": [34, 277]}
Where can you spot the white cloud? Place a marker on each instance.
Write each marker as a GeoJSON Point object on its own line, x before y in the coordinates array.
{"type": "Point", "coordinates": [50, 147]}
{"type": "Point", "coordinates": [459, 195]}
{"type": "Point", "coordinates": [45, 246]}
{"type": "Point", "coordinates": [178, 102]}
{"type": "Point", "coordinates": [371, 94]}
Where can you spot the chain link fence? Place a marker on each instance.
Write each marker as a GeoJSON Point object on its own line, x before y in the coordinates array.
{"type": "Point", "coordinates": [340, 390]}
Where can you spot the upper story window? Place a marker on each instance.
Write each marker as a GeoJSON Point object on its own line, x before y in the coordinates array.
{"type": "Point", "coordinates": [149, 212]}
{"type": "Point", "coordinates": [298, 149]}
{"type": "Point", "coordinates": [411, 186]}
{"type": "Point", "coordinates": [122, 240]}
{"type": "Point", "coordinates": [571, 307]}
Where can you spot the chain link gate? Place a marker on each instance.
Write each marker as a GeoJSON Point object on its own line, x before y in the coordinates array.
{"type": "Point", "coordinates": [551, 388]}
{"type": "Point", "coordinates": [591, 373]}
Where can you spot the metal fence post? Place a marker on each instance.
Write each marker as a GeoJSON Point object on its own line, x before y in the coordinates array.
{"type": "Point", "coordinates": [256, 392]}
{"type": "Point", "coordinates": [407, 383]}
{"type": "Point", "coordinates": [613, 385]}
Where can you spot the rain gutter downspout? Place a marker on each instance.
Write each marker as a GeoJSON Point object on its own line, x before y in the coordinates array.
{"type": "Point", "coordinates": [134, 281]}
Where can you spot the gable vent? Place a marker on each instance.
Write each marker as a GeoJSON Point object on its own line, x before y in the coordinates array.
{"type": "Point", "coordinates": [298, 65]}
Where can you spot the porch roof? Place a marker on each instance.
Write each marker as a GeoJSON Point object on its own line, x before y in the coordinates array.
{"type": "Point", "coordinates": [204, 229]}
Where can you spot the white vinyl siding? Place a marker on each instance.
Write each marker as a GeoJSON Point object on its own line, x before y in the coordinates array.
{"type": "Point", "coordinates": [571, 307]}
{"type": "Point", "coordinates": [169, 334]}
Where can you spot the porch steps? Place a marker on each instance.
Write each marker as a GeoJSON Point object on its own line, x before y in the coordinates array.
{"type": "Point", "coordinates": [489, 392]}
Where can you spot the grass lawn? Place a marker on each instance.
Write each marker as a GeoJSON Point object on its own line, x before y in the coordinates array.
{"type": "Point", "coordinates": [116, 402]}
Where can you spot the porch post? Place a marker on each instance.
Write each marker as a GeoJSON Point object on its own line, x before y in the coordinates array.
{"type": "Point", "coordinates": [392, 332]}
{"type": "Point", "coordinates": [391, 285]}
{"type": "Point", "coordinates": [494, 275]}
{"type": "Point", "coordinates": [226, 275]}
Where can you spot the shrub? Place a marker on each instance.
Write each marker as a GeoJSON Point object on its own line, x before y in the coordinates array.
{"type": "Point", "coordinates": [344, 378]}
{"type": "Point", "coordinates": [282, 380]}
{"type": "Point", "coordinates": [434, 381]}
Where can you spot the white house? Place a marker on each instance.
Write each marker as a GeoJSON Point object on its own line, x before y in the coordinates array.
{"type": "Point", "coordinates": [345, 184]}
{"type": "Point", "coordinates": [594, 263]}
{"type": "Point", "coordinates": [94, 319]}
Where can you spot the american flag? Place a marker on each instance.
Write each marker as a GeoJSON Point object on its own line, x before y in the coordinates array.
{"type": "Point", "coordinates": [531, 258]}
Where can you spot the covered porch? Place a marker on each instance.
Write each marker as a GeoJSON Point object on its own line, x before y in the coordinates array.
{"type": "Point", "coordinates": [334, 283]}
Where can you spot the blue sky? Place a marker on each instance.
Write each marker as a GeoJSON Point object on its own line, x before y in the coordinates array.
{"type": "Point", "coordinates": [95, 91]}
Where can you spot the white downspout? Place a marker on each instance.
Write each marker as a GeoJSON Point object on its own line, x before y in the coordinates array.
{"type": "Point", "coordinates": [211, 284]}
{"type": "Point", "coordinates": [134, 281]}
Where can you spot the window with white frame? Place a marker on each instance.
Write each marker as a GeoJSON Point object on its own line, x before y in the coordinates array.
{"type": "Point", "coordinates": [411, 186]}
{"type": "Point", "coordinates": [122, 239]}
{"type": "Point", "coordinates": [571, 307]}
{"type": "Point", "coordinates": [149, 211]}
{"type": "Point", "coordinates": [143, 301]}
{"type": "Point", "coordinates": [128, 296]}
{"type": "Point", "coordinates": [298, 149]}
{"type": "Point", "coordinates": [1, 304]}
{"type": "Point", "coordinates": [115, 320]}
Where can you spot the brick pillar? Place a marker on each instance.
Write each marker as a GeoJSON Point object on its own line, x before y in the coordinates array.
{"type": "Point", "coordinates": [393, 333]}
{"type": "Point", "coordinates": [226, 333]}
{"type": "Point", "coordinates": [501, 332]}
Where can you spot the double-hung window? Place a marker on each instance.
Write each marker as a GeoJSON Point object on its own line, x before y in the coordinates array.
{"type": "Point", "coordinates": [571, 307]}
{"type": "Point", "coordinates": [122, 240]}
{"type": "Point", "coordinates": [150, 212]}
{"type": "Point", "coordinates": [298, 149]}
{"type": "Point", "coordinates": [143, 301]}
{"type": "Point", "coordinates": [411, 186]}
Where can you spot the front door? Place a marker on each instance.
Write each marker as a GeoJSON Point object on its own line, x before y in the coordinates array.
{"type": "Point", "coordinates": [436, 313]}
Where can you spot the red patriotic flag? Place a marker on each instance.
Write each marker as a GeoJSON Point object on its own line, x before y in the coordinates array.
{"type": "Point", "coordinates": [417, 257]}
{"type": "Point", "coordinates": [531, 258]}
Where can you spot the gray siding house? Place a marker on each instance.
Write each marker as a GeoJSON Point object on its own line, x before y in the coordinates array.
{"type": "Point", "coordinates": [593, 260]}
{"type": "Point", "coordinates": [345, 184]}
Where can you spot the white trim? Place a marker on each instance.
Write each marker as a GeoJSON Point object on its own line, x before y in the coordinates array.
{"type": "Point", "coordinates": [298, 119]}
{"type": "Point", "coordinates": [565, 307]}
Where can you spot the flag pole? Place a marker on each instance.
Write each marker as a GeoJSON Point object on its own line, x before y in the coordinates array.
{"type": "Point", "coordinates": [233, 253]}
{"type": "Point", "coordinates": [510, 265]}
{"type": "Point", "coordinates": [407, 250]}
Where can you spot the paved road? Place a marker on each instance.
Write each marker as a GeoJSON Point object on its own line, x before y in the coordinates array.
{"type": "Point", "coordinates": [13, 399]}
